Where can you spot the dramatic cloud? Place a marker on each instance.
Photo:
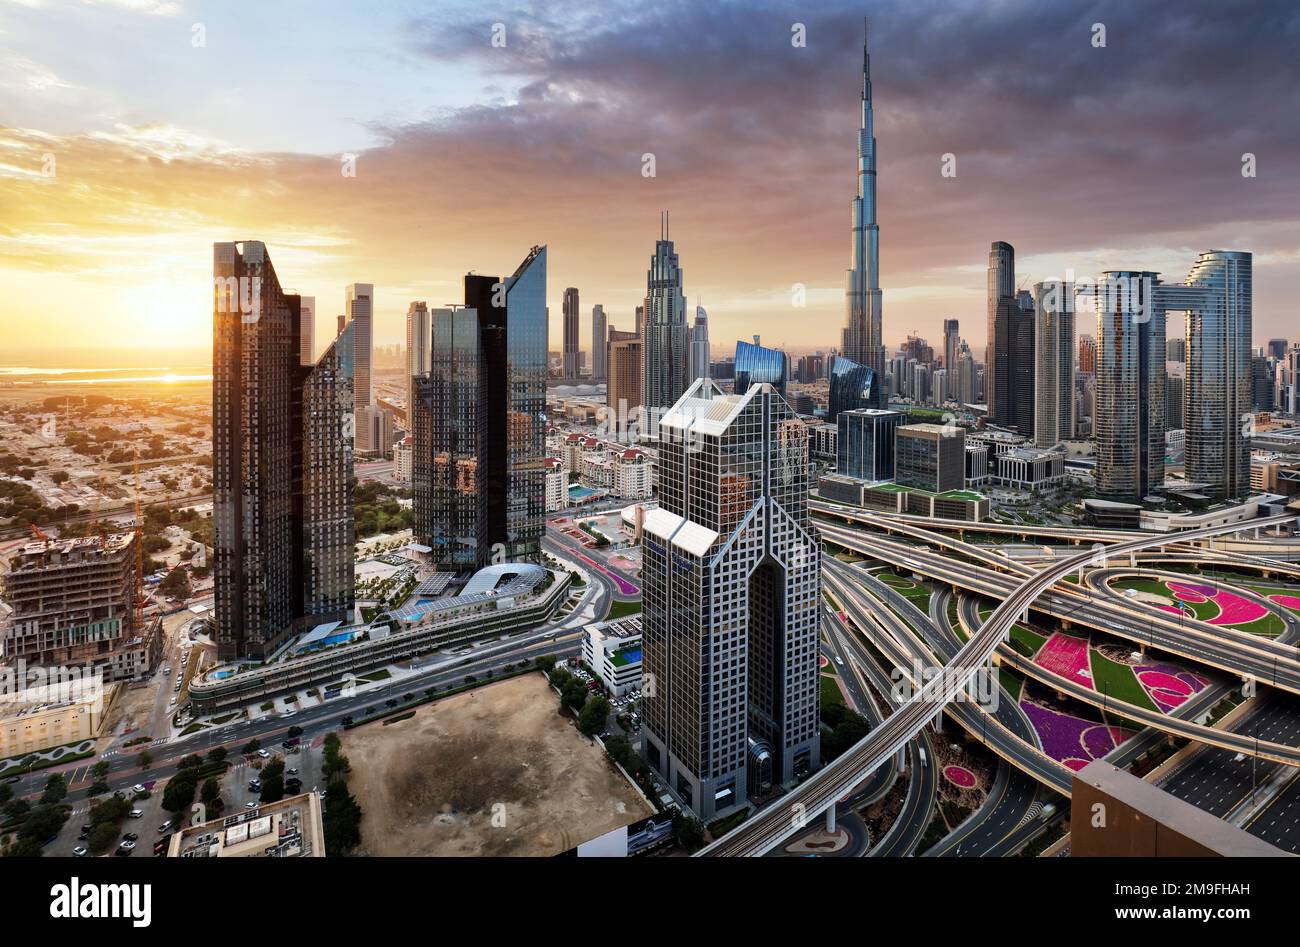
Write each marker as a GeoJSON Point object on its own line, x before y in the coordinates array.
{"type": "Point", "coordinates": [1080, 156]}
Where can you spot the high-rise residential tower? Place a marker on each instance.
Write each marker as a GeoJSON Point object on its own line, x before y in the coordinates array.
{"type": "Point", "coordinates": [863, 340]}
{"type": "Point", "coordinates": [1129, 418]}
{"type": "Point", "coordinates": [700, 345]}
{"type": "Point", "coordinates": [1218, 383]}
{"type": "Point", "coordinates": [599, 344]}
{"type": "Point", "coordinates": [732, 578]}
{"type": "Point", "coordinates": [281, 461]}
{"type": "Point", "coordinates": [1053, 362]}
{"type": "Point", "coordinates": [571, 364]}
{"type": "Point", "coordinates": [307, 351]}
{"type": "Point", "coordinates": [359, 307]}
{"type": "Point", "coordinates": [664, 332]}
{"type": "Point", "coordinates": [417, 353]}
{"type": "Point", "coordinates": [951, 344]}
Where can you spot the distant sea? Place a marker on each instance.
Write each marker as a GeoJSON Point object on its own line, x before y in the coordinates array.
{"type": "Point", "coordinates": [77, 365]}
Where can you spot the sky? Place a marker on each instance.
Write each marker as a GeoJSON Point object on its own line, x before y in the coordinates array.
{"type": "Point", "coordinates": [136, 133]}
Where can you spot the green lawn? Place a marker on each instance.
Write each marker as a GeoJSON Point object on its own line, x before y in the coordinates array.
{"type": "Point", "coordinates": [1011, 682]}
{"type": "Point", "coordinates": [830, 691]}
{"type": "Point", "coordinates": [1026, 642]}
{"type": "Point", "coordinates": [1117, 681]}
{"type": "Point", "coordinates": [623, 609]}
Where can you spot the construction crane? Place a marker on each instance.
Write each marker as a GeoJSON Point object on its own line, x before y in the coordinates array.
{"type": "Point", "coordinates": [38, 533]}
{"type": "Point", "coordinates": [103, 536]}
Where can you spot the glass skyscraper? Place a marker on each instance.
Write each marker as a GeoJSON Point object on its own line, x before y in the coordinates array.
{"type": "Point", "coordinates": [756, 364]}
{"type": "Point", "coordinates": [1218, 402]}
{"type": "Point", "coordinates": [664, 333]}
{"type": "Point", "coordinates": [281, 461]}
{"type": "Point", "coordinates": [478, 475]}
{"type": "Point", "coordinates": [853, 386]}
{"type": "Point", "coordinates": [865, 443]}
{"type": "Point", "coordinates": [1129, 421]}
{"type": "Point", "coordinates": [862, 338]}
{"type": "Point", "coordinates": [1053, 362]}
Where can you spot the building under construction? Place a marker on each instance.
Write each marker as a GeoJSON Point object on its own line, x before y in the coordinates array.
{"type": "Point", "coordinates": [75, 602]}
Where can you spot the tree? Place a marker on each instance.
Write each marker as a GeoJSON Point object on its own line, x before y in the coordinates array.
{"type": "Point", "coordinates": [56, 788]}
{"type": "Point", "coordinates": [187, 762]}
{"type": "Point", "coordinates": [687, 831]}
{"type": "Point", "coordinates": [43, 822]}
{"type": "Point", "coordinates": [112, 809]}
{"type": "Point", "coordinates": [251, 747]}
{"type": "Point", "coordinates": [545, 662]}
{"type": "Point", "coordinates": [145, 760]}
{"type": "Point", "coordinates": [102, 837]}
{"type": "Point", "coordinates": [342, 820]}
{"type": "Point", "coordinates": [211, 790]}
{"type": "Point", "coordinates": [59, 476]}
{"type": "Point", "coordinates": [335, 764]}
{"type": "Point", "coordinates": [99, 770]}
{"type": "Point", "coordinates": [180, 791]}
{"type": "Point", "coordinates": [591, 720]}
{"type": "Point", "coordinates": [176, 584]}
{"type": "Point", "coordinates": [218, 754]}
{"type": "Point", "coordinates": [294, 731]}
{"type": "Point", "coordinates": [574, 694]}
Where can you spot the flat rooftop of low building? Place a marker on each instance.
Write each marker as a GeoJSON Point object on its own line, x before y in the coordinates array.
{"type": "Point", "coordinates": [290, 828]}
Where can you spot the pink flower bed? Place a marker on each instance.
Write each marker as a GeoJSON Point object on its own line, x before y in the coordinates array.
{"type": "Point", "coordinates": [1067, 656]}
{"type": "Point", "coordinates": [1233, 609]}
{"type": "Point", "coordinates": [1286, 601]}
{"type": "Point", "coordinates": [959, 776]}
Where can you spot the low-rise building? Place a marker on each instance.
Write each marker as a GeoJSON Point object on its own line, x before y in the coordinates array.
{"type": "Point", "coordinates": [1029, 468]}
{"type": "Point", "coordinates": [54, 714]}
{"type": "Point", "coordinates": [613, 652]}
{"type": "Point", "coordinates": [634, 474]}
{"type": "Point", "coordinates": [290, 828]}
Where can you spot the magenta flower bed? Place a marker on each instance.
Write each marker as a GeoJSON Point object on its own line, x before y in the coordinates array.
{"type": "Point", "coordinates": [1067, 656]}
{"type": "Point", "coordinates": [1286, 601]}
{"type": "Point", "coordinates": [1233, 609]}
{"type": "Point", "coordinates": [959, 776]}
{"type": "Point", "coordinates": [1071, 740]}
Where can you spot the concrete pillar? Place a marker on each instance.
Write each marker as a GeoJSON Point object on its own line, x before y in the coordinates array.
{"type": "Point", "coordinates": [830, 820]}
{"type": "Point", "coordinates": [902, 761]}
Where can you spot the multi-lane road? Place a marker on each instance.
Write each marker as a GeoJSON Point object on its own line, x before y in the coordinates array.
{"type": "Point", "coordinates": [770, 825]}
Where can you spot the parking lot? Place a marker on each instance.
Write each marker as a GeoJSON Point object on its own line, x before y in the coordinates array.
{"type": "Point", "coordinates": [152, 816]}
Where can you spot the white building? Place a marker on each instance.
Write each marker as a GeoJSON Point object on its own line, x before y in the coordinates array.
{"type": "Point", "coordinates": [557, 485]}
{"type": "Point", "coordinates": [634, 475]}
{"type": "Point", "coordinates": [403, 452]}
{"type": "Point", "coordinates": [613, 652]}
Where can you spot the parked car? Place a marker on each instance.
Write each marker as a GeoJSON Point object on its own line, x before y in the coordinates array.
{"type": "Point", "coordinates": [136, 814]}
{"type": "Point", "coordinates": [80, 851]}
{"type": "Point", "coordinates": [165, 827]}
{"type": "Point", "coordinates": [138, 787]}
{"type": "Point", "coordinates": [264, 754]}
{"type": "Point", "coordinates": [131, 837]}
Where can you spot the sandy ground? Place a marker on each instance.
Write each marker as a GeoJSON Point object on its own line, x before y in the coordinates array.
{"type": "Point", "coordinates": [495, 771]}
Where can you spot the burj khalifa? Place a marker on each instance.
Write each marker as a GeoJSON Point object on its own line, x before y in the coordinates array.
{"type": "Point", "coordinates": [862, 339]}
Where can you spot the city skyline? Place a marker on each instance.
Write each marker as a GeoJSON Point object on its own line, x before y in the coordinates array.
{"type": "Point", "coordinates": [144, 173]}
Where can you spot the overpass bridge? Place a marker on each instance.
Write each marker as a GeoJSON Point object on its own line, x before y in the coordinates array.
{"type": "Point", "coordinates": [766, 829]}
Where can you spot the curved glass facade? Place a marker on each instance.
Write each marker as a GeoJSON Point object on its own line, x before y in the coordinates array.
{"type": "Point", "coordinates": [756, 365]}
{"type": "Point", "coordinates": [1217, 393]}
{"type": "Point", "coordinates": [852, 386]}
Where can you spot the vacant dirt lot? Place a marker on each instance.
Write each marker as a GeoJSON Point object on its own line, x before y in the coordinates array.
{"type": "Point", "coordinates": [496, 771]}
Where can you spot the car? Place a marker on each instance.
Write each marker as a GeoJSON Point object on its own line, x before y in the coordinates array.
{"type": "Point", "coordinates": [250, 805]}
{"type": "Point", "coordinates": [172, 702]}
{"type": "Point", "coordinates": [264, 754]}
{"type": "Point", "coordinates": [126, 844]}
{"type": "Point", "coordinates": [291, 772]}
{"type": "Point", "coordinates": [165, 827]}
{"type": "Point", "coordinates": [131, 837]}
{"type": "Point", "coordinates": [123, 851]}
{"type": "Point", "coordinates": [139, 787]}
{"type": "Point", "coordinates": [80, 851]}
{"type": "Point", "coordinates": [287, 714]}
{"type": "Point", "coordinates": [13, 779]}
{"type": "Point", "coordinates": [136, 814]}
